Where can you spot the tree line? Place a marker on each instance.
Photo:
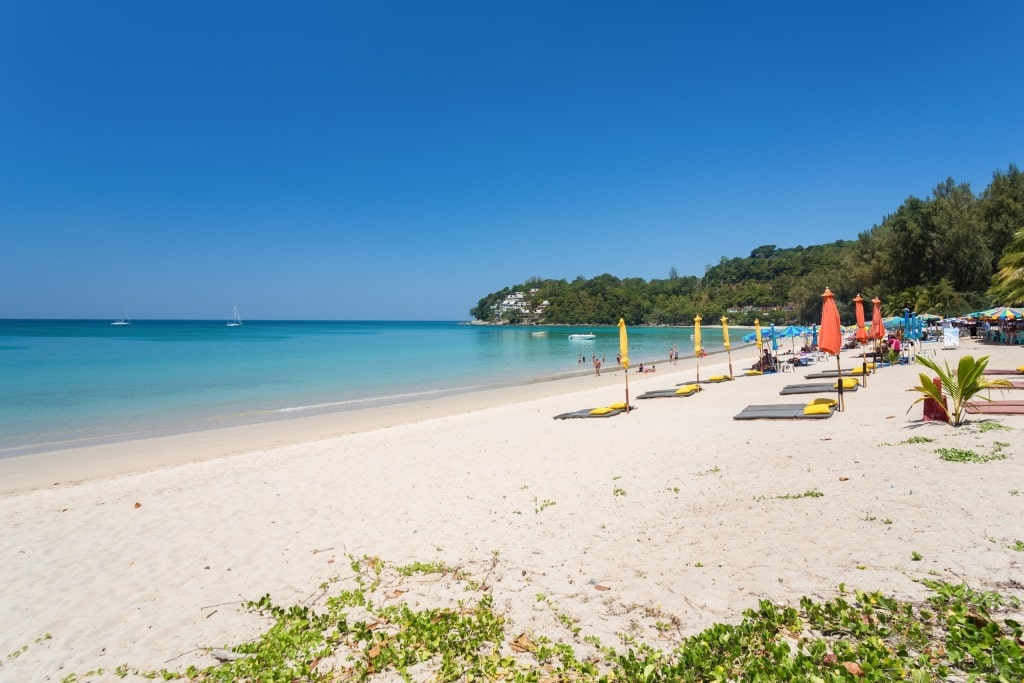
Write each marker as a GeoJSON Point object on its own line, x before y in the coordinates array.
{"type": "Point", "coordinates": [947, 254]}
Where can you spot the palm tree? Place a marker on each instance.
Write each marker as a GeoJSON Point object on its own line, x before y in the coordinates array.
{"type": "Point", "coordinates": [960, 385]}
{"type": "Point", "coordinates": [1008, 282]}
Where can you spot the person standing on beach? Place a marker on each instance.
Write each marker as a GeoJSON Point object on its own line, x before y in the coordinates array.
{"type": "Point", "coordinates": [597, 366]}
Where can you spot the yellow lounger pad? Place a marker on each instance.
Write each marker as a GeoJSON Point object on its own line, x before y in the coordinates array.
{"type": "Point", "coordinates": [848, 383]}
{"type": "Point", "coordinates": [817, 409]}
{"type": "Point", "coordinates": [752, 372]}
{"type": "Point", "coordinates": [618, 406]}
{"type": "Point", "coordinates": [688, 389]}
{"type": "Point", "coordinates": [823, 402]}
{"type": "Point", "coordinates": [602, 411]}
{"type": "Point", "coordinates": [719, 378]}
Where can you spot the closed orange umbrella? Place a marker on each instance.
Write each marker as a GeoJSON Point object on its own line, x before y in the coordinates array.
{"type": "Point", "coordinates": [877, 326]}
{"type": "Point", "coordinates": [830, 337]}
{"type": "Point", "coordinates": [862, 331]}
{"type": "Point", "coordinates": [862, 338]}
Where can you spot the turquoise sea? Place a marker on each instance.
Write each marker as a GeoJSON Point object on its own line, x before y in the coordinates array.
{"type": "Point", "coordinates": [75, 382]}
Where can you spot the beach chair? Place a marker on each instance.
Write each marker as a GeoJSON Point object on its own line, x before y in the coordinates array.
{"type": "Point", "coordinates": [849, 384]}
{"type": "Point", "coordinates": [684, 390]}
{"type": "Point", "coordinates": [603, 411]}
{"type": "Point", "coordinates": [817, 409]}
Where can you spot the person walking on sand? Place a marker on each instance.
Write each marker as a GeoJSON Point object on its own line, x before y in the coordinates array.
{"type": "Point", "coordinates": [597, 366]}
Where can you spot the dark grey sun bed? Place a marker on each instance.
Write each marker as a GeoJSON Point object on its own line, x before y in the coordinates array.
{"type": "Point", "coordinates": [685, 390]}
{"type": "Point", "coordinates": [590, 412]}
{"type": "Point", "coordinates": [813, 388]}
{"type": "Point", "coordinates": [780, 411]}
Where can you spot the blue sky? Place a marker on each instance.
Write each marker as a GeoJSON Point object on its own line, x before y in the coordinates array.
{"type": "Point", "coordinates": [399, 160]}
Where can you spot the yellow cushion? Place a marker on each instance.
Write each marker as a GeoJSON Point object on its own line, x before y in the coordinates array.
{"type": "Point", "coordinates": [688, 389]}
{"type": "Point", "coordinates": [822, 402]}
{"type": "Point", "coordinates": [1020, 368]}
{"type": "Point", "coordinates": [871, 366]}
{"type": "Point", "coordinates": [817, 409]}
{"type": "Point", "coordinates": [601, 411]}
{"type": "Point", "coordinates": [848, 383]}
{"type": "Point", "coordinates": [753, 372]}
{"type": "Point", "coordinates": [617, 406]}
{"type": "Point", "coordinates": [857, 371]}
{"type": "Point", "coordinates": [719, 378]}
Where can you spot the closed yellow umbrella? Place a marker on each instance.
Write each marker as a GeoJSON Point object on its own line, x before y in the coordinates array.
{"type": "Point", "coordinates": [696, 343]}
{"type": "Point", "coordinates": [624, 353]}
{"type": "Point", "coordinates": [725, 339]}
{"type": "Point", "coordinates": [760, 342]}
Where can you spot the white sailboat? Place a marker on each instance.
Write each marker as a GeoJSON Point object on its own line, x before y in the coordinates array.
{"type": "Point", "coordinates": [237, 322]}
{"type": "Point", "coordinates": [125, 320]}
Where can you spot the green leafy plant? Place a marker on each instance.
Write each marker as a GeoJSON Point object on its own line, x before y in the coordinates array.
{"type": "Point", "coordinates": [962, 385]}
{"type": "Point", "coordinates": [961, 455]}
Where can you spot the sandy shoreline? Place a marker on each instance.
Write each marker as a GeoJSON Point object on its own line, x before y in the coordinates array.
{"type": "Point", "coordinates": [146, 555]}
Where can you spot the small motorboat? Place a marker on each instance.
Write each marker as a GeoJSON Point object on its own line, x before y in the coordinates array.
{"type": "Point", "coordinates": [582, 337]}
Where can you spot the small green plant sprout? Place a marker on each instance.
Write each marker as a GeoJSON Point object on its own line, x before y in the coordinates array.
{"type": "Point", "coordinates": [1014, 492]}
{"type": "Point", "coordinates": [960, 386]}
{"type": "Point", "coordinates": [698, 564]}
{"type": "Point", "coordinates": [886, 521]}
{"type": "Point", "coordinates": [991, 425]}
{"type": "Point", "coordinates": [618, 492]}
{"type": "Point", "coordinates": [918, 439]}
{"type": "Point", "coordinates": [1018, 545]}
{"type": "Point", "coordinates": [540, 505]}
{"type": "Point", "coordinates": [916, 556]}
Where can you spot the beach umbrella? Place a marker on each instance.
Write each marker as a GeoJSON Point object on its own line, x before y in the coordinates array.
{"type": "Point", "coordinates": [696, 343]}
{"type": "Point", "coordinates": [792, 331]}
{"type": "Point", "coordinates": [831, 337]}
{"type": "Point", "coordinates": [1001, 313]}
{"type": "Point", "coordinates": [725, 341]}
{"type": "Point", "coordinates": [862, 337]}
{"type": "Point", "coordinates": [877, 327]}
{"type": "Point", "coordinates": [624, 352]}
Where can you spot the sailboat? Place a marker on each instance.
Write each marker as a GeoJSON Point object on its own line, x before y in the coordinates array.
{"type": "Point", "coordinates": [237, 322]}
{"type": "Point", "coordinates": [125, 320]}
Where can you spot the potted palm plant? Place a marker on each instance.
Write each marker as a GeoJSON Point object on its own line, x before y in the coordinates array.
{"type": "Point", "coordinates": [960, 385]}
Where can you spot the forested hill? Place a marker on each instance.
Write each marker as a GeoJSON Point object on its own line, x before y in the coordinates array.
{"type": "Point", "coordinates": [935, 255]}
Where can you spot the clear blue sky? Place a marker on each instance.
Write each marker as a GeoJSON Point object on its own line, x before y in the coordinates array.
{"type": "Point", "coordinates": [399, 160]}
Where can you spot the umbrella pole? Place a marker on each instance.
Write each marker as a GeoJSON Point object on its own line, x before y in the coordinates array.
{"type": "Point", "coordinates": [729, 352]}
{"type": "Point", "coordinates": [626, 370]}
{"type": "Point", "coordinates": [863, 367]}
{"type": "Point", "coordinates": [839, 383]}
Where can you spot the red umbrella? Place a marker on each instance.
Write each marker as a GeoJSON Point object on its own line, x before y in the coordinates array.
{"type": "Point", "coordinates": [862, 338]}
{"type": "Point", "coordinates": [830, 337]}
{"type": "Point", "coordinates": [877, 327]}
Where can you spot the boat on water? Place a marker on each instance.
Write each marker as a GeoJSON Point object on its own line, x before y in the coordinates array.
{"type": "Point", "coordinates": [125, 320]}
{"type": "Point", "coordinates": [582, 337]}
{"type": "Point", "coordinates": [542, 333]}
{"type": "Point", "coordinates": [237, 321]}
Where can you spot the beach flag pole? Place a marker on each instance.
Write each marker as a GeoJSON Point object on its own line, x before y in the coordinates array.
{"type": "Point", "coordinates": [624, 356]}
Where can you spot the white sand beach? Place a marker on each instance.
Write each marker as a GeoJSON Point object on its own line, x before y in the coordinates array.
{"type": "Point", "coordinates": [142, 553]}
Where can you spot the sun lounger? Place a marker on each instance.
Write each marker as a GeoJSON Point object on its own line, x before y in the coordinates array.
{"type": "Point", "coordinates": [713, 379]}
{"type": "Point", "coordinates": [995, 407]}
{"type": "Point", "coordinates": [684, 390]}
{"type": "Point", "coordinates": [604, 411]}
{"type": "Point", "coordinates": [815, 410]}
{"type": "Point", "coordinates": [1004, 371]}
{"type": "Point", "coordinates": [845, 372]}
{"type": "Point", "coordinates": [849, 384]}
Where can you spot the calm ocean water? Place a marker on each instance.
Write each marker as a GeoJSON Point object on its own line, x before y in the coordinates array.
{"type": "Point", "coordinates": [72, 382]}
